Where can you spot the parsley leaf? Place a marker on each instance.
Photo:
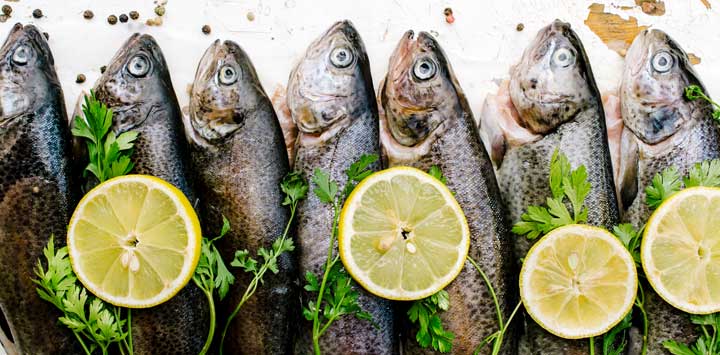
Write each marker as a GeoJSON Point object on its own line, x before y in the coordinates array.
{"type": "Point", "coordinates": [430, 330]}
{"type": "Point", "coordinates": [108, 154]}
{"type": "Point", "coordinates": [663, 185]}
{"type": "Point", "coordinates": [95, 323]}
{"type": "Point", "coordinates": [631, 238]}
{"type": "Point", "coordinates": [695, 92]}
{"type": "Point", "coordinates": [358, 171]}
{"type": "Point", "coordinates": [611, 344]}
{"type": "Point", "coordinates": [706, 173]}
{"type": "Point", "coordinates": [708, 342]}
{"type": "Point", "coordinates": [325, 189]}
{"type": "Point", "coordinates": [565, 183]}
{"type": "Point", "coordinates": [435, 172]}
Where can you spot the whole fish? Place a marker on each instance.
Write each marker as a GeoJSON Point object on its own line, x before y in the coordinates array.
{"type": "Point", "coordinates": [425, 120]}
{"type": "Point", "coordinates": [36, 190]}
{"type": "Point", "coordinates": [331, 99]}
{"type": "Point", "coordinates": [661, 129]}
{"type": "Point", "coordinates": [551, 102]}
{"type": "Point", "coordinates": [239, 159]}
{"type": "Point", "coordinates": [136, 86]}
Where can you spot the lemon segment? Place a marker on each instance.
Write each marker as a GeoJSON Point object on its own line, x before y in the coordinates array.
{"type": "Point", "coordinates": [402, 234]}
{"type": "Point", "coordinates": [578, 281]}
{"type": "Point", "coordinates": [134, 241]}
{"type": "Point", "coordinates": [680, 250]}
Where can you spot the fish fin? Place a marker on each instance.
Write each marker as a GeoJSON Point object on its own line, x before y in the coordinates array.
{"type": "Point", "coordinates": [627, 179]}
{"type": "Point", "coordinates": [614, 126]}
{"type": "Point", "coordinates": [490, 130]}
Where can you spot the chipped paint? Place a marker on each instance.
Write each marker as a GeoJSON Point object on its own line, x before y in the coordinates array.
{"type": "Point", "coordinates": [694, 60]}
{"type": "Point", "coordinates": [651, 7]}
{"type": "Point", "coordinates": [616, 32]}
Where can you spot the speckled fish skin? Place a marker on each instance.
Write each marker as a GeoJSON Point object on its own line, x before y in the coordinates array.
{"type": "Point", "coordinates": [424, 121]}
{"type": "Point", "coordinates": [36, 197]}
{"type": "Point", "coordinates": [666, 130]}
{"type": "Point", "coordinates": [137, 87]}
{"type": "Point", "coordinates": [561, 103]}
{"type": "Point", "coordinates": [239, 159]}
{"type": "Point", "coordinates": [335, 109]}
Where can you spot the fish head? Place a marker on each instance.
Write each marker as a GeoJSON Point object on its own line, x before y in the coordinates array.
{"type": "Point", "coordinates": [553, 81]}
{"type": "Point", "coordinates": [225, 90]}
{"type": "Point", "coordinates": [26, 67]}
{"type": "Point", "coordinates": [136, 83]}
{"type": "Point", "coordinates": [332, 82]}
{"type": "Point", "coordinates": [419, 92]}
{"type": "Point", "coordinates": [656, 73]}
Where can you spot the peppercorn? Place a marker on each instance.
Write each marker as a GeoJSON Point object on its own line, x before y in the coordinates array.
{"type": "Point", "coordinates": [160, 10]}
{"type": "Point", "coordinates": [448, 12]}
{"type": "Point", "coordinates": [520, 27]}
{"type": "Point", "coordinates": [80, 78]}
{"type": "Point", "coordinates": [123, 18]}
{"type": "Point", "coordinates": [6, 10]}
{"type": "Point", "coordinates": [103, 69]}
{"type": "Point", "coordinates": [112, 19]}
{"type": "Point", "coordinates": [206, 29]}
{"type": "Point", "coordinates": [134, 15]}
{"type": "Point", "coordinates": [37, 13]}
{"type": "Point", "coordinates": [87, 14]}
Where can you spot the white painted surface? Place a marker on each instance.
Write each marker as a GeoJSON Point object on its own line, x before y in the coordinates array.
{"type": "Point", "coordinates": [481, 44]}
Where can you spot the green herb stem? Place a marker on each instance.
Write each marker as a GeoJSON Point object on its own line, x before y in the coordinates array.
{"type": "Point", "coordinates": [329, 263]}
{"type": "Point", "coordinates": [592, 345]}
{"type": "Point", "coordinates": [211, 329]}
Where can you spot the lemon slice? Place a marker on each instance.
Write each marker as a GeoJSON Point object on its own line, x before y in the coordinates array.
{"type": "Point", "coordinates": [680, 250]}
{"type": "Point", "coordinates": [402, 235]}
{"type": "Point", "coordinates": [578, 281]}
{"type": "Point", "coordinates": [134, 241]}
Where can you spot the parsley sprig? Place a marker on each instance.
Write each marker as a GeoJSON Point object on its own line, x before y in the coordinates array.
{"type": "Point", "coordinates": [631, 238]}
{"type": "Point", "coordinates": [211, 275]}
{"type": "Point", "coordinates": [430, 329]}
{"type": "Point", "coordinates": [708, 343]}
{"type": "Point", "coordinates": [109, 155]}
{"type": "Point", "coordinates": [295, 188]}
{"type": "Point", "coordinates": [96, 325]}
{"type": "Point", "coordinates": [335, 296]}
{"type": "Point", "coordinates": [669, 181]}
{"type": "Point", "coordinates": [695, 92]}
{"type": "Point", "coordinates": [565, 183]}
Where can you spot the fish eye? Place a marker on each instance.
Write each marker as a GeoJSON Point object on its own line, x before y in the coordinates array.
{"type": "Point", "coordinates": [662, 62]}
{"type": "Point", "coordinates": [563, 57]}
{"type": "Point", "coordinates": [21, 55]}
{"type": "Point", "coordinates": [139, 66]}
{"type": "Point", "coordinates": [227, 75]}
{"type": "Point", "coordinates": [341, 57]}
{"type": "Point", "coordinates": [424, 68]}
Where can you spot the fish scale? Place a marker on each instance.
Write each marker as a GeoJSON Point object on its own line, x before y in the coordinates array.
{"type": "Point", "coordinates": [36, 196]}
{"type": "Point", "coordinates": [454, 147]}
{"type": "Point", "coordinates": [239, 160]}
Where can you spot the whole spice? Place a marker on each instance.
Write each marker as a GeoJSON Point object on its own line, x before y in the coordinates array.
{"type": "Point", "coordinates": [160, 10]}
{"type": "Point", "coordinates": [6, 10]}
{"type": "Point", "coordinates": [112, 19]}
{"type": "Point", "coordinates": [449, 18]}
{"type": "Point", "coordinates": [134, 15]}
{"type": "Point", "coordinates": [37, 13]}
{"type": "Point", "coordinates": [123, 18]}
{"type": "Point", "coordinates": [87, 14]}
{"type": "Point", "coordinates": [103, 68]}
{"type": "Point", "coordinates": [519, 27]}
{"type": "Point", "coordinates": [206, 29]}
{"type": "Point", "coordinates": [80, 78]}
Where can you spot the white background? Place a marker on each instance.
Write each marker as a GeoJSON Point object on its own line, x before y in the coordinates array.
{"type": "Point", "coordinates": [481, 44]}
